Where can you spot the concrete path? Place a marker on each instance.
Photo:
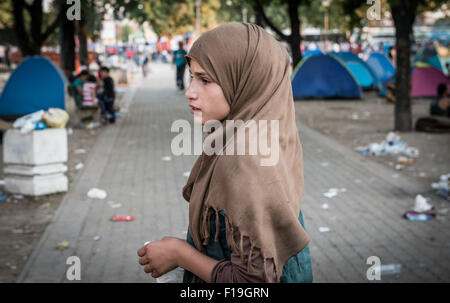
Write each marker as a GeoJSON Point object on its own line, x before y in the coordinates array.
{"type": "Point", "coordinates": [126, 161]}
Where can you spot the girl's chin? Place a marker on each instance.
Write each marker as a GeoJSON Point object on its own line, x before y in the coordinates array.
{"type": "Point", "coordinates": [198, 120]}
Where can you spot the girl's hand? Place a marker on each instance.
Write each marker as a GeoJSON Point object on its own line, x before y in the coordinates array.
{"type": "Point", "coordinates": [161, 256]}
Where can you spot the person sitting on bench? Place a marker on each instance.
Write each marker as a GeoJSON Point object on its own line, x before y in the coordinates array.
{"type": "Point", "coordinates": [77, 87]}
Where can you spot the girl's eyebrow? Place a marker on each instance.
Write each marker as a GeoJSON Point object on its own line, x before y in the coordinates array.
{"type": "Point", "coordinates": [200, 74]}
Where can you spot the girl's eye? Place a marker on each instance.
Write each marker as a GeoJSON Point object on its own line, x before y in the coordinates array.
{"type": "Point", "coordinates": [205, 81]}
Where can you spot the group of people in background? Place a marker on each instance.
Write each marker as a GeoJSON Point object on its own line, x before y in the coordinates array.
{"type": "Point", "coordinates": [91, 91]}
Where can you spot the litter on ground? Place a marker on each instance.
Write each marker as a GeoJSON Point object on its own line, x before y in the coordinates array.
{"type": "Point", "coordinates": [332, 192]}
{"type": "Point", "coordinates": [442, 186]}
{"type": "Point", "coordinates": [95, 193]}
{"type": "Point", "coordinates": [114, 205]}
{"type": "Point", "coordinates": [125, 218]}
{"type": "Point", "coordinates": [63, 245]}
{"type": "Point", "coordinates": [390, 269]}
{"type": "Point", "coordinates": [421, 204]}
{"type": "Point", "coordinates": [392, 145]}
{"type": "Point", "coordinates": [412, 215]}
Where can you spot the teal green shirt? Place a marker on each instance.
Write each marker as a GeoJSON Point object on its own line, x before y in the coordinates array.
{"type": "Point", "coordinates": [77, 83]}
{"type": "Point", "coordinates": [296, 270]}
{"type": "Point", "coordinates": [179, 57]}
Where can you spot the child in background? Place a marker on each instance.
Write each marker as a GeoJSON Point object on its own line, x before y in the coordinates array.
{"type": "Point", "coordinates": [90, 92]}
{"type": "Point", "coordinates": [106, 98]}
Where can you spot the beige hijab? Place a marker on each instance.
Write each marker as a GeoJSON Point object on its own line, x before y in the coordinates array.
{"type": "Point", "coordinates": [262, 202]}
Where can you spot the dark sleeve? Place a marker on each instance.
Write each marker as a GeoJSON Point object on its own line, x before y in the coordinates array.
{"type": "Point", "coordinates": [109, 87]}
{"type": "Point", "coordinates": [235, 271]}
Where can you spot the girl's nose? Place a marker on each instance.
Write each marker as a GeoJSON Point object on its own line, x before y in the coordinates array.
{"type": "Point", "coordinates": [190, 93]}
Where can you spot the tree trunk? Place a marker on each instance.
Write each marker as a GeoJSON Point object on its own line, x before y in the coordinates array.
{"type": "Point", "coordinates": [23, 38]}
{"type": "Point", "coordinates": [67, 42]}
{"type": "Point", "coordinates": [258, 17]}
{"type": "Point", "coordinates": [403, 14]}
{"type": "Point", "coordinates": [295, 38]}
{"type": "Point", "coordinates": [82, 38]}
{"type": "Point", "coordinates": [30, 43]}
{"type": "Point", "coordinates": [35, 11]}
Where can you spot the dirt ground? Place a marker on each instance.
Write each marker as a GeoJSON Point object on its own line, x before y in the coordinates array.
{"type": "Point", "coordinates": [361, 122]}
{"type": "Point", "coordinates": [23, 221]}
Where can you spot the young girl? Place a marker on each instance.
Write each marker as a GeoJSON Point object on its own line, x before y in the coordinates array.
{"type": "Point", "coordinates": [90, 91]}
{"type": "Point", "coordinates": [245, 223]}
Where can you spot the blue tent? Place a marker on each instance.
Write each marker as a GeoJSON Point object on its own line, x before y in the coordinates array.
{"type": "Point", "coordinates": [37, 83]}
{"type": "Point", "coordinates": [381, 66]}
{"type": "Point", "coordinates": [362, 72]}
{"type": "Point", "coordinates": [314, 52]}
{"type": "Point", "coordinates": [323, 76]}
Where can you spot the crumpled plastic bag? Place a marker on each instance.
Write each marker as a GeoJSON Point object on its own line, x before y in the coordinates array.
{"type": "Point", "coordinates": [421, 204]}
{"type": "Point", "coordinates": [56, 117]}
{"type": "Point", "coordinates": [28, 122]}
{"type": "Point", "coordinates": [96, 193]}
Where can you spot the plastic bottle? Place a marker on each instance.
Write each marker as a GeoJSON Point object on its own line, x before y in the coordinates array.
{"type": "Point", "coordinates": [40, 125]}
{"type": "Point", "coordinates": [390, 269]}
{"type": "Point", "coordinates": [174, 276]}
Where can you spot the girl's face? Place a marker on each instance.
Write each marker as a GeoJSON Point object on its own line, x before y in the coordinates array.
{"type": "Point", "coordinates": [205, 97]}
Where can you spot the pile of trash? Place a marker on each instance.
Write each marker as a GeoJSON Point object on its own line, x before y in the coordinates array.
{"type": "Point", "coordinates": [392, 145]}
{"type": "Point", "coordinates": [53, 118]}
{"type": "Point", "coordinates": [442, 186]}
{"type": "Point", "coordinates": [422, 211]}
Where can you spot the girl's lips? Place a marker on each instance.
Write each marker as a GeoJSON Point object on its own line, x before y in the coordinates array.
{"type": "Point", "coordinates": [195, 109]}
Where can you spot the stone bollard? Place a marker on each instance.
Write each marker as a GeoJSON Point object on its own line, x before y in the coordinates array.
{"type": "Point", "coordinates": [34, 163]}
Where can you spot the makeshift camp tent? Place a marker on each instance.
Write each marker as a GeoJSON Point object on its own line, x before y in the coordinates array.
{"type": "Point", "coordinates": [425, 81]}
{"type": "Point", "coordinates": [429, 55]}
{"type": "Point", "coordinates": [383, 69]}
{"type": "Point", "coordinates": [37, 83]}
{"type": "Point", "coordinates": [323, 76]}
{"type": "Point", "coordinates": [314, 52]}
{"type": "Point", "coordinates": [381, 66]}
{"type": "Point", "coordinates": [360, 70]}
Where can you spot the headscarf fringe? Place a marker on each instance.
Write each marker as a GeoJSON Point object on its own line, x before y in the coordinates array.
{"type": "Point", "coordinates": [216, 237]}
{"type": "Point", "coordinates": [241, 248]}
{"type": "Point", "coordinates": [208, 211]}
{"type": "Point", "coordinates": [265, 269]}
{"type": "Point", "coordinates": [249, 265]}
{"type": "Point", "coordinates": [205, 226]}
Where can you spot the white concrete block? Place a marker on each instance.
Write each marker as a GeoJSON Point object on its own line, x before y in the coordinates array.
{"type": "Point", "coordinates": [31, 170]}
{"type": "Point", "coordinates": [36, 185]}
{"type": "Point", "coordinates": [35, 148]}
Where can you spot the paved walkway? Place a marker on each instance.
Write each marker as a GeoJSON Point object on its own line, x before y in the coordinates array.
{"type": "Point", "coordinates": [126, 161]}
